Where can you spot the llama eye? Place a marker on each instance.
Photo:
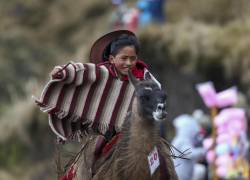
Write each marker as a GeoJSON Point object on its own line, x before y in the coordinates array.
{"type": "Point", "coordinates": [147, 92]}
{"type": "Point", "coordinates": [146, 98]}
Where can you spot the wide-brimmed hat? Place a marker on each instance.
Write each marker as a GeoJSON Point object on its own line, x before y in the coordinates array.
{"type": "Point", "coordinates": [100, 45]}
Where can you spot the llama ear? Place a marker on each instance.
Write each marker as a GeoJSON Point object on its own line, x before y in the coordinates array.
{"type": "Point", "coordinates": [132, 79]}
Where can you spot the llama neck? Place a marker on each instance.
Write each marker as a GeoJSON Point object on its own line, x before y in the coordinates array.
{"type": "Point", "coordinates": [143, 135]}
{"type": "Point", "coordinates": [141, 138]}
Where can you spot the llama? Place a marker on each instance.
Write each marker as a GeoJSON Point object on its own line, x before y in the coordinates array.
{"type": "Point", "coordinates": [128, 159]}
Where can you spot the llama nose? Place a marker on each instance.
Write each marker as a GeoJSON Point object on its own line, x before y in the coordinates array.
{"type": "Point", "coordinates": [161, 106]}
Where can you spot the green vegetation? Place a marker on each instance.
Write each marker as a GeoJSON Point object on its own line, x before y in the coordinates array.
{"type": "Point", "coordinates": [12, 153]}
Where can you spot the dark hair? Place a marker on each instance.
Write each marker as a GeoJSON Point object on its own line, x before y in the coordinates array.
{"type": "Point", "coordinates": [120, 42]}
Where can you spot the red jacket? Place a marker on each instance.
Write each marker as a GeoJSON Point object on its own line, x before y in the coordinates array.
{"type": "Point", "coordinates": [137, 71]}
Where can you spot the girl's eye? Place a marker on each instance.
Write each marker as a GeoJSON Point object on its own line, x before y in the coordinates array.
{"type": "Point", "coordinates": [133, 58]}
{"type": "Point", "coordinates": [124, 58]}
{"type": "Point", "coordinates": [146, 98]}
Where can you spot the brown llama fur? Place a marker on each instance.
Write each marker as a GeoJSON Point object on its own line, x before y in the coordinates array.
{"type": "Point", "coordinates": [128, 158]}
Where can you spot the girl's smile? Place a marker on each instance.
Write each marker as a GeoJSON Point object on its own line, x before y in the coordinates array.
{"type": "Point", "coordinates": [124, 60]}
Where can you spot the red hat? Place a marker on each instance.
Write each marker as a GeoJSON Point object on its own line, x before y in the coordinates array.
{"type": "Point", "coordinates": [97, 50]}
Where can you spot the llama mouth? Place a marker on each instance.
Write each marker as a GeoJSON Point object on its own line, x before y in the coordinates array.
{"type": "Point", "coordinates": [159, 115]}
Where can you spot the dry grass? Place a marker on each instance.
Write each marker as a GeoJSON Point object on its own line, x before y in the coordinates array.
{"type": "Point", "coordinates": [15, 120]}
{"type": "Point", "coordinates": [212, 11]}
{"type": "Point", "coordinates": [192, 45]}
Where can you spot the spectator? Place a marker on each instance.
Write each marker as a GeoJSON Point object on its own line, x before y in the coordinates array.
{"type": "Point", "coordinates": [151, 11]}
{"type": "Point", "coordinates": [187, 137]}
{"type": "Point", "coordinates": [157, 10]}
{"type": "Point", "coordinates": [145, 15]}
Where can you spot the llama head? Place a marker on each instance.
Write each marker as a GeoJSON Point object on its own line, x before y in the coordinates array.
{"type": "Point", "coordinates": [151, 100]}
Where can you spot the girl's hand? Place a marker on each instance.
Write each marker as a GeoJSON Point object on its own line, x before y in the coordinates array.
{"type": "Point", "coordinates": [56, 73]}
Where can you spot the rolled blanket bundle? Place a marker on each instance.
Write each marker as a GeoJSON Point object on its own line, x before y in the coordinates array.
{"type": "Point", "coordinates": [85, 97]}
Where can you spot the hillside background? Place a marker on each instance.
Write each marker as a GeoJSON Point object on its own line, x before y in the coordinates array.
{"type": "Point", "coordinates": [200, 41]}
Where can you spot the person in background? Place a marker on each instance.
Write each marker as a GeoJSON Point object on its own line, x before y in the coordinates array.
{"type": "Point", "coordinates": [151, 11]}
{"type": "Point", "coordinates": [145, 14]}
{"type": "Point", "coordinates": [157, 10]}
{"type": "Point", "coordinates": [131, 18]}
{"type": "Point", "coordinates": [186, 140]}
{"type": "Point", "coordinates": [117, 16]}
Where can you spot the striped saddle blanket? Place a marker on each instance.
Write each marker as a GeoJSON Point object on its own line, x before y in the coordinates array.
{"type": "Point", "coordinates": [85, 98]}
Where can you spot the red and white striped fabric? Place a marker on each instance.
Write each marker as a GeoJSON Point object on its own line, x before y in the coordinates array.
{"type": "Point", "coordinates": [86, 97]}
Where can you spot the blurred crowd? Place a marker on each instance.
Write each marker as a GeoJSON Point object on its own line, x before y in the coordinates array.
{"type": "Point", "coordinates": [141, 14]}
{"type": "Point", "coordinates": [213, 146]}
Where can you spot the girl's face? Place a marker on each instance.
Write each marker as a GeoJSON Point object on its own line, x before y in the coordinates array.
{"type": "Point", "coordinates": [124, 59]}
